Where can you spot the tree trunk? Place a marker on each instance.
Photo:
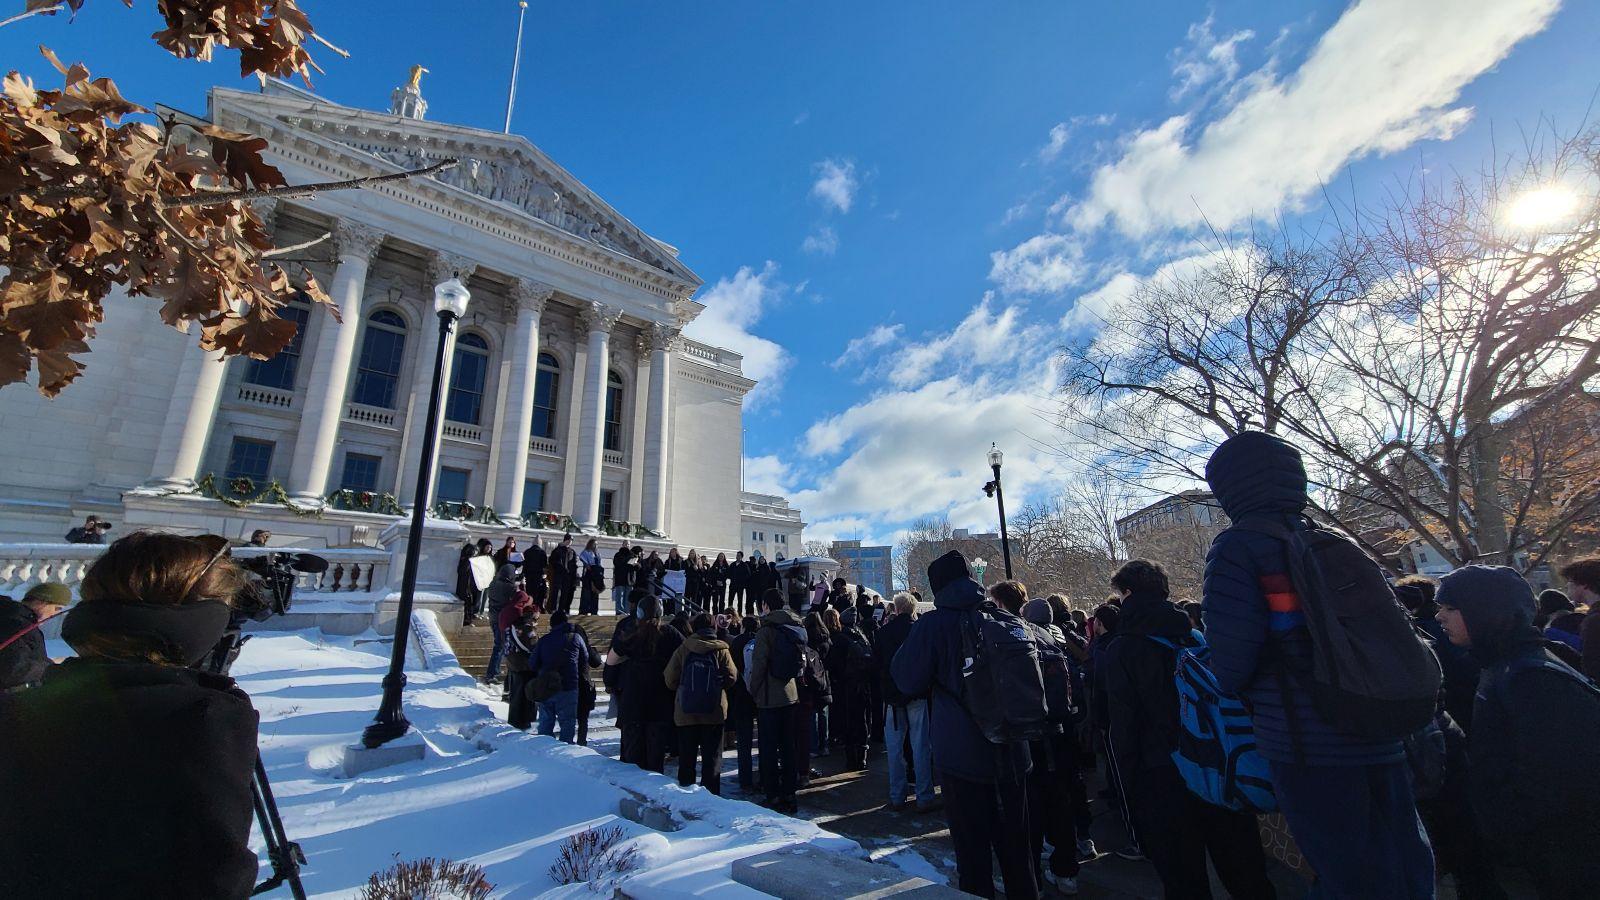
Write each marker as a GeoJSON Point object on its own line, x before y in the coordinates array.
{"type": "Point", "coordinates": [1488, 512]}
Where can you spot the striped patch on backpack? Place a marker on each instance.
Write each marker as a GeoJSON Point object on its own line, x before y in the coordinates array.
{"type": "Point", "coordinates": [1283, 603]}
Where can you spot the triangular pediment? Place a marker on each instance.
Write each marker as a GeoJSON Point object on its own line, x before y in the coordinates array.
{"type": "Point", "coordinates": [506, 170]}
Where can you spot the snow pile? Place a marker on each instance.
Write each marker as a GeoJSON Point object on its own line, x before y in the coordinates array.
{"type": "Point", "coordinates": [485, 793]}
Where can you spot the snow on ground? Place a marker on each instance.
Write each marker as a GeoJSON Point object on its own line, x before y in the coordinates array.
{"type": "Point", "coordinates": [485, 792]}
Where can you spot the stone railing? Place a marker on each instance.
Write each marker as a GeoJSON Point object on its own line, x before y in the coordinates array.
{"type": "Point", "coordinates": [463, 432]}
{"type": "Point", "coordinates": [613, 457]}
{"type": "Point", "coordinates": [370, 415]}
{"type": "Point", "coordinates": [266, 396]}
{"type": "Point", "coordinates": [544, 445]}
{"type": "Point", "coordinates": [24, 565]}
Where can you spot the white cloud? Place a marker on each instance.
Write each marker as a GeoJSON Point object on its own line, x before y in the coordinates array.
{"type": "Point", "coordinates": [1061, 134]}
{"type": "Point", "coordinates": [1206, 59]}
{"type": "Point", "coordinates": [734, 306]}
{"type": "Point", "coordinates": [802, 117]}
{"type": "Point", "coordinates": [1093, 308]}
{"type": "Point", "coordinates": [1383, 77]}
{"type": "Point", "coordinates": [879, 337]}
{"type": "Point", "coordinates": [836, 183]}
{"type": "Point", "coordinates": [985, 337]}
{"type": "Point", "coordinates": [1045, 263]}
{"type": "Point", "coordinates": [767, 475]}
{"type": "Point", "coordinates": [822, 242]}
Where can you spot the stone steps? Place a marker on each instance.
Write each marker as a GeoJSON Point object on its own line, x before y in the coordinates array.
{"type": "Point", "coordinates": [473, 646]}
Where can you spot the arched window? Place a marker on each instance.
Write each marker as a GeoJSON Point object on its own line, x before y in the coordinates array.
{"type": "Point", "coordinates": [279, 371]}
{"type": "Point", "coordinates": [382, 350]}
{"type": "Point", "coordinates": [467, 376]}
{"type": "Point", "coordinates": [613, 439]}
{"type": "Point", "coordinates": [545, 388]}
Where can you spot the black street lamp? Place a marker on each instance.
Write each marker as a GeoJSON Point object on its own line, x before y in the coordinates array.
{"type": "Point", "coordinates": [993, 490]}
{"type": "Point", "coordinates": [450, 302]}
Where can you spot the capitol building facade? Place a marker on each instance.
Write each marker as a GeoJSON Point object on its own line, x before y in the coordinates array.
{"type": "Point", "coordinates": [574, 400]}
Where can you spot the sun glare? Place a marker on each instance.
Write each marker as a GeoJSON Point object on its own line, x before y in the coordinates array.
{"type": "Point", "coordinates": [1542, 208]}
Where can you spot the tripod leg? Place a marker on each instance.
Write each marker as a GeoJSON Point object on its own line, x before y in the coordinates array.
{"type": "Point", "coordinates": [286, 856]}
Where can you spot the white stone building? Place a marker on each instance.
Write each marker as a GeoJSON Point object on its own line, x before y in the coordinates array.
{"type": "Point", "coordinates": [571, 389]}
{"type": "Point", "coordinates": [772, 528]}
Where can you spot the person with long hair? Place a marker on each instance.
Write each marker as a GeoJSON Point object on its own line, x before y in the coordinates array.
{"type": "Point", "coordinates": [127, 773]}
{"type": "Point", "coordinates": [720, 572]}
{"type": "Point", "coordinates": [593, 579]}
{"type": "Point", "coordinates": [644, 702]}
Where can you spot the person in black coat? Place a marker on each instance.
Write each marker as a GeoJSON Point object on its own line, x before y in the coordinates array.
{"type": "Point", "coordinates": [624, 563]}
{"type": "Point", "coordinates": [742, 707]}
{"type": "Point", "coordinates": [1461, 671]}
{"type": "Point", "coordinates": [644, 702]}
{"type": "Point", "coordinates": [1176, 829]}
{"type": "Point", "coordinates": [907, 718]}
{"type": "Point", "coordinates": [466, 588]}
{"type": "Point", "coordinates": [739, 585]}
{"type": "Point", "coordinates": [23, 661]}
{"type": "Point", "coordinates": [126, 773]}
{"type": "Point", "coordinates": [984, 789]}
{"type": "Point", "coordinates": [1531, 779]}
{"type": "Point", "coordinates": [851, 669]}
{"type": "Point", "coordinates": [535, 563]}
{"type": "Point", "coordinates": [563, 575]}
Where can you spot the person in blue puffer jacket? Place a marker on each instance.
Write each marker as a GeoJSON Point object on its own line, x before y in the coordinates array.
{"type": "Point", "coordinates": [1347, 799]}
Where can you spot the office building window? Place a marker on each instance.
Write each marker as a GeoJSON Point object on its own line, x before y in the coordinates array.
{"type": "Point", "coordinates": [613, 434]}
{"type": "Point", "coordinates": [546, 385]}
{"type": "Point", "coordinates": [608, 506]}
{"type": "Point", "coordinates": [453, 485]}
{"type": "Point", "coordinates": [533, 495]}
{"type": "Point", "coordinates": [250, 458]}
{"type": "Point", "coordinates": [382, 350]}
{"type": "Point", "coordinates": [468, 373]}
{"type": "Point", "coordinates": [360, 472]}
{"type": "Point", "coordinates": [279, 371]}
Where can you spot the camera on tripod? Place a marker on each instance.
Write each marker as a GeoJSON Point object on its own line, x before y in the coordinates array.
{"type": "Point", "coordinates": [270, 591]}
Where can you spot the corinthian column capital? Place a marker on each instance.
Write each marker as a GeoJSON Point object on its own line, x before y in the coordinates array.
{"type": "Point", "coordinates": [442, 266]}
{"type": "Point", "coordinates": [665, 336]}
{"type": "Point", "coordinates": [357, 238]}
{"type": "Point", "coordinates": [596, 316]}
{"type": "Point", "coordinates": [531, 295]}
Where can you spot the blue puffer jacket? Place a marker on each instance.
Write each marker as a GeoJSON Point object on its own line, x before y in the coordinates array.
{"type": "Point", "coordinates": [929, 663]}
{"type": "Point", "coordinates": [1253, 619]}
{"type": "Point", "coordinates": [561, 649]}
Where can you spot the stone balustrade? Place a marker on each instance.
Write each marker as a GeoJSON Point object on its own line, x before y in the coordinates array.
{"type": "Point", "coordinates": [349, 570]}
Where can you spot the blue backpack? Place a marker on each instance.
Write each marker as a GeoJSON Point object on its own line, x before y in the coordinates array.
{"type": "Point", "coordinates": [1216, 744]}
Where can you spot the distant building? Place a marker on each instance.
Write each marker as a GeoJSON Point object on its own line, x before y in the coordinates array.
{"type": "Point", "coordinates": [983, 545]}
{"type": "Point", "coordinates": [869, 567]}
{"type": "Point", "coordinates": [1188, 509]}
{"type": "Point", "coordinates": [771, 527]}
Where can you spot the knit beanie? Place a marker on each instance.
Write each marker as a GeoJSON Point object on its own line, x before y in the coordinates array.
{"type": "Point", "coordinates": [51, 592]}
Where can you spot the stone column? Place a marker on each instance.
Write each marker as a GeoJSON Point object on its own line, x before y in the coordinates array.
{"type": "Point", "coordinates": [597, 319]}
{"type": "Point", "coordinates": [511, 435]}
{"type": "Point", "coordinates": [663, 340]}
{"type": "Point", "coordinates": [440, 267]}
{"type": "Point", "coordinates": [190, 414]}
{"type": "Point", "coordinates": [332, 364]}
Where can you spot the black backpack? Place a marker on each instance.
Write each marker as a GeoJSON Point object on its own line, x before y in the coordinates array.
{"type": "Point", "coordinates": [700, 685]}
{"type": "Point", "coordinates": [784, 662]}
{"type": "Point", "coordinates": [1057, 674]}
{"type": "Point", "coordinates": [858, 662]}
{"type": "Point", "coordinates": [814, 681]}
{"type": "Point", "coordinates": [1370, 675]}
{"type": "Point", "coordinates": [1002, 685]}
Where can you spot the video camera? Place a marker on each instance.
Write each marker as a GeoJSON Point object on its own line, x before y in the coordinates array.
{"type": "Point", "coordinates": [270, 589]}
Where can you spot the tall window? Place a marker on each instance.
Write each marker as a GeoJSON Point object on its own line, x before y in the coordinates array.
{"type": "Point", "coordinates": [453, 485]}
{"type": "Point", "coordinates": [613, 438]}
{"type": "Point", "coordinates": [382, 350]}
{"type": "Point", "coordinates": [545, 387]}
{"type": "Point", "coordinates": [250, 458]}
{"type": "Point", "coordinates": [533, 495]}
{"type": "Point", "coordinates": [278, 372]}
{"type": "Point", "coordinates": [467, 375]}
{"type": "Point", "coordinates": [360, 472]}
{"type": "Point", "coordinates": [608, 505]}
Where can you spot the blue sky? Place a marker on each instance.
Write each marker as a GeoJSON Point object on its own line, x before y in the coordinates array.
{"type": "Point", "coordinates": [901, 210]}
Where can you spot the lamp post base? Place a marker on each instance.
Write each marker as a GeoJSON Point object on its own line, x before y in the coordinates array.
{"type": "Point", "coordinates": [360, 759]}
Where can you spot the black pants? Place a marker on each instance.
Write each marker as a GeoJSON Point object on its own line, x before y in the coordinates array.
{"type": "Point", "coordinates": [736, 599]}
{"type": "Point", "coordinates": [990, 819]}
{"type": "Point", "coordinates": [1050, 807]}
{"type": "Point", "coordinates": [778, 773]}
{"type": "Point", "coordinates": [645, 745]}
{"type": "Point", "coordinates": [744, 730]}
{"type": "Point", "coordinates": [1177, 830]}
{"type": "Point", "coordinates": [520, 713]}
{"type": "Point", "coordinates": [702, 743]}
{"type": "Point", "coordinates": [562, 590]}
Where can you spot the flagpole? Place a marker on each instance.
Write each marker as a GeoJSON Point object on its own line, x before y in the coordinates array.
{"type": "Point", "coordinates": [516, 63]}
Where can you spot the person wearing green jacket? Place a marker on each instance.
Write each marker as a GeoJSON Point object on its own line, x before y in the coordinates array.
{"type": "Point", "coordinates": [701, 671]}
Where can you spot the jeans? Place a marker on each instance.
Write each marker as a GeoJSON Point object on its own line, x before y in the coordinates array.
{"type": "Point", "coordinates": [819, 732]}
{"type": "Point", "coordinates": [1359, 829]}
{"type": "Point", "coordinates": [498, 654]}
{"type": "Point", "coordinates": [562, 707]}
{"type": "Point", "coordinates": [702, 744]}
{"type": "Point", "coordinates": [989, 821]}
{"type": "Point", "coordinates": [910, 721]}
{"type": "Point", "coordinates": [619, 599]}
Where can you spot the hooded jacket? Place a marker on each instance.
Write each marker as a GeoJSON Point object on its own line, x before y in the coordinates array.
{"type": "Point", "coordinates": [1530, 779]}
{"type": "Point", "coordinates": [132, 780]}
{"type": "Point", "coordinates": [1140, 697]}
{"type": "Point", "coordinates": [930, 663]}
{"type": "Point", "coordinates": [701, 642]}
{"type": "Point", "coordinates": [501, 590]}
{"type": "Point", "coordinates": [1254, 623]}
{"type": "Point", "coordinates": [565, 650]}
{"type": "Point", "coordinates": [642, 694]}
{"type": "Point", "coordinates": [769, 692]}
